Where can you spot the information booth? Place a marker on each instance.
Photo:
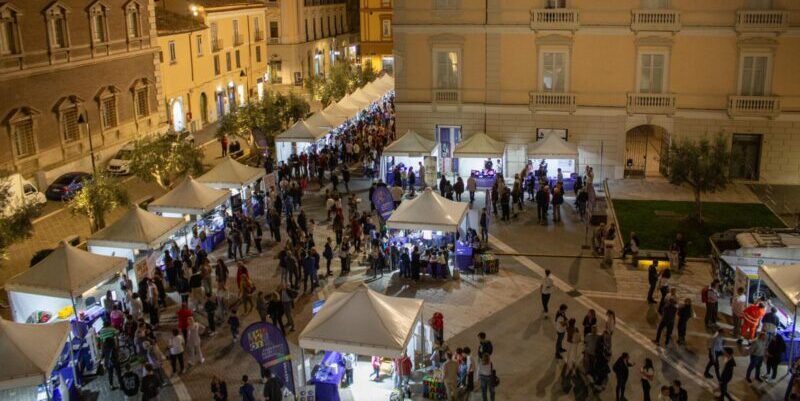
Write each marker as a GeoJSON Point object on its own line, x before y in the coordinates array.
{"type": "Point", "coordinates": [239, 179]}
{"type": "Point", "coordinates": [784, 283]}
{"type": "Point", "coordinates": [299, 138]}
{"type": "Point", "coordinates": [480, 156]}
{"type": "Point", "coordinates": [551, 153]}
{"type": "Point", "coordinates": [407, 151]}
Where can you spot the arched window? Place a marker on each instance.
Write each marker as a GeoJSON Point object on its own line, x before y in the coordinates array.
{"type": "Point", "coordinates": [98, 18]}
{"type": "Point", "coordinates": [141, 101]}
{"type": "Point", "coordinates": [68, 109]}
{"type": "Point", "coordinates": [107, 103]}
{"type": "Point", "coordinates": [132, 20]}
{"type": "Point", "coordinates": [22, 127]}
{"type": "Point", "coordinates": [57, 29]}
{"type": "Point", "coordinates": [10, 42]}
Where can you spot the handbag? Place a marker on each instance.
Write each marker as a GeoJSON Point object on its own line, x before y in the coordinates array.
{"type": "Point", "coordinates": [495, 379]}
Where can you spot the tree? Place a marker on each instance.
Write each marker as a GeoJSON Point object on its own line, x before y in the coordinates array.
{"type": "Point", "coordinates": [16, 219]}
{"type": "Point", "coordinates": [271, 115]}
{"type": "Point", "coordinates": [700, 164]}
{"type": "Point", "coordinates": [342, 78]}
{"type": "Point", "coordinates": [98, 197]}
{"type": "Point", "coordinates": [164, 159]}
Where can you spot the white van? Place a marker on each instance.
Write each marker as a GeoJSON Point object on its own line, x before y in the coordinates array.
{"type": "Point", "coordinates": [120, 164]}
{"type": "Point", "coordinates": [21, 192]}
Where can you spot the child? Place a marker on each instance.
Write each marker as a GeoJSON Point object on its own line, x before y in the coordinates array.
{"type": "Point", "coordinates": [233, 320]}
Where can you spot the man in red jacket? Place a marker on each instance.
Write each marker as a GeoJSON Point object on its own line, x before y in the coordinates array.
{"type": "Point", "coordinates": [184, 313]}
{"type": "Point", "coordinates": [404, 373]}
{"type": "Point", "coordinates": [752, 317]}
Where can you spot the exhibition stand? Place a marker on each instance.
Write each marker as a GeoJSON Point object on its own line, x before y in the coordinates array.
{"type": "Point", "coordinates": [238, 178]}
{"type": "Point", "coordinates": [360, 322]}
{"type": "Point", "coordinates": [480, 156]}
{"type": "Point", "coordinates": [549, 154]}
{"type": "Point", "coordinates": [299, 138]}
{"type": "Point", "coordinates": [784, 282]}
{"type": "Point", "coordinates": [407, 151]}
{"type": "Point", "coordinates": [36, 362]}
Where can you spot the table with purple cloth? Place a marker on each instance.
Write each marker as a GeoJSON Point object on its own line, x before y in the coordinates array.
{"type": "Point", "coordinates": [212, 240]}
{"type": "Point", "coordinates": [328, 376]}
{"type": "Point", "coordinates": [463, 258]}
{"type": "Point", "coordinates": [484, 181]}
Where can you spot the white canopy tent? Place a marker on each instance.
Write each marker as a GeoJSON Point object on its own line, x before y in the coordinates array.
{"type": "Point", "coordinates": [335, 109]}
{"type": "Point", "coordinates": [784, 281]}
{"type": "Point", "coordinates": [428, 211]}
{"type": "Point", "coordinates": [363, 322]}
{"type": "Point", "coordinates": [472, 152]}
{"type": "Point", "coordinates": [325, 121]}
{"type": "Point", "coordinates": [30, 352]}
{"type": "Point", "coordinates": [297, 139]}
{"type": "Point", "coordinates": [374, 89]}
{"type": "Point", "coordinates": [54, 283]}
{"type": "Point", "coordinates": [409, 149]}
{"type": "Point", "coordinates": [553, 148]}
{"type": "Point", "coordinates": [230, 174]}
{"type": "Point", "coordinates": [189, 197]}
{"type": "Point", "coordinates": [360, 98]}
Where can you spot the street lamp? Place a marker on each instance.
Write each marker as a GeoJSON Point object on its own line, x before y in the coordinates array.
{"type": "Point", "coordinates": [82, 120]}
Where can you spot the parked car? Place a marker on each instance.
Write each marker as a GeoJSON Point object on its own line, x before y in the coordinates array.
{"type": "Point", "coordinates": [66, 186]}
{"type": "Point", "coordinates": [184, 135]}
{"type": "Point", "coordinates": [21, 192]}
{"type": "Point", "coordinates": [120, 164]}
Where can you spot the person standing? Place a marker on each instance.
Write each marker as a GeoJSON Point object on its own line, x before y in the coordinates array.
{"type": "Point", "coordinates": [219, 389]}
{"type": "Point", "coordinates": [472, 186]}
{"type": "Point", "coordinates": [738, 303]}
{"type": "Point", "coordinates": [685, 312]}
{"type": "Point", "coordinates": [546, 290]}
{"type": "Point", "coordinates": [652, 280]}
{"type": "Point", "coordinates": [349, 364]}
{"type": "Point", "coordinates": [561, 329]}
{"type": "Point", "coordinates": [458, 187]}
{"type": "Point", "coordinates": [224, 144]}
{"type": "Point", "coordinates": [715, 350]}
{"type": "Point", "coordinates": [758, 349]}
{"type": "Point", "coordinates": [541, 205]}
{"type": "Point", "coordinates": [677, 392]}
{"type": "Point", "coordinates": [727, 374]}
{"type": "Point", "coordinates": [648, 375]}
{"type": "Point", "coordinates": [486, 376]}
{"type": "Point", "coordinates": [484, 345]}
{"type": "Point", "coordinates": [273, 387]}
{"type": "Point", "coordinates": [712, 298]}
{"type": "Point", "coordinates": [261, 306]}
{"type": "Point", "coordinates": [622, 372]}
{"type": "Point", "coordinates": [775, 350]}
{"type": "Point", "coordinates": [573, 337]}
{"type": "Point", "coordinates": [246, 390]}
{"type": "Point", "coordinates": [151, 384]}
{"type": "Point", "coordinates": [193, 342]}
{"type": "Point", "coordinates": [130, 384]}
{"type": "Point", "coordinates": [450, 377]}
{"type": "Point", "coordinates": [663, 288]}
{"type": "Point", "coordinates": [404, 366]}
{"type": "Point", "coordinates": [667, 322]}
{"type": "Point", "coordinates": [558, 199]}
{"type": "Point", "coordinates": [210, 307]}
{"type": "Point", "coordinates": [327, 253]}
{"type": "Point", "coordinates": [176, 347]}
{"type": "Point", "coordinates": [484, 223]}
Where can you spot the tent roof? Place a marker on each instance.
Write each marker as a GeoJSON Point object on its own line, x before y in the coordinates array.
{"type": "Point", "coordinates": [411, 144]}
{"type": "Point", "coordinates": [480, 145]}
{"type": "Point", "coordinates": [137, 229]}
{"type": "Point", "coordinates": [428, 211]}
{"type": "Point", "coordinates": [374, 89]}
{"type": "Point", "coordinates": [338, 110]}
{"type": "Point", "coordinates": [324, 120]}
{"type": "Point", "coordinates": [553, 147]}
{"type": "Point", "coordinates": [189, 197]}
{"type": "Point", "coordinates": [784, 281]}
{"type": "Point", "coordinates": [385, 83]}
{"type": "Point", "coordinates": [363, 322]}
{"type": "Point", "coordinates": [231, 174]}
{"type": "Point", "coordinates": [66, 272]}
{"type": "Point", "coordinates": [301, 131]}
{"type": "Point", "coordinates": [360, 99]}
{"type": "Point", "coordinates": [30, 352]}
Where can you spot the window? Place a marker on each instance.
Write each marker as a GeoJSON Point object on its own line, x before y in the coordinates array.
{"type": "Point", "coordinates": [273, 30]}
{"type": "Point", "coordinates": [228, 61]}
{"type": "Point", "coordinates": [307, 38]}
{"type": "Point", "coordinates": [554, 72]}
{"type": "Point", "coordinates": [386, 28]}
{"type": "Point", "coordinates": [57, 27]}
{"type": "Point", "coordinates": [132, 20]}
{"type": "Point", "coordinates": [758, 4]}
{"type": "Point", "coordinates": [108, 110]}
{"type": "Point", "coordinates": [23, 137]}
{"type": "Point", "coordinates": [753, 80]}
{"type": "Point", "coordinates": [214, 37]}
{"type": "Point", "coordinates": [199, 43]}
{"type": "Point", "coordinates": [70, 130]}
{"type": "Point", "coordinates": [556, 4]}
{"type": "Point", "coordinates": [173, 54]}
{"type": "Point", "coordinates": [652, 74]}
{"type": "Point", "coordinates": [330, 31]}
{"type": "Point", "coordinates": [216, 65]}
{"type": "Point", "coordinates": [140, 102]}
{"type": "Point", "coordinates": [9, 31]}
{"type": "Point", "coordinates": [258, 54]}
{"type": "Point", "coordinates": [335, 26]}
{"type": "Point", "coordinates": [341, 25]}
{"type": "Point", "coordinates": [236, 39]}
{"type": "Point", "coordinates": [315, 29]}
{"type": "Point", "coordinates": [386, 3]}
{"type": "Point", "coordinates": [257, 27]}
{"type": "Point", "coordinates": [99, 28]}
{"type": "Point", "coordinates": [655, 4]}
{"type": "Point", "coordinates": [238, 60]}
{"type": "Point", "coordinates": [446, 74]}
{"type": "Point", "coordinates": [745, 156]}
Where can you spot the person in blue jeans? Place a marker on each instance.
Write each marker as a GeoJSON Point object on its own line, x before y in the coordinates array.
{"type": "Point", "coordinates": [486, 376]}
{"type": "Point", "coordinates": [246, 390]}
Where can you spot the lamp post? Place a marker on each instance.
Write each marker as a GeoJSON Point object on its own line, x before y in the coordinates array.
{"type": "Point", "coordinates": [82, 120]}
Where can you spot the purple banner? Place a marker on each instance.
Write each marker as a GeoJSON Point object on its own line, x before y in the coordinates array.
{"type": "Point", "coordinates": [268, 346]}
{"type": "Point", "coordinates": [383, 201]}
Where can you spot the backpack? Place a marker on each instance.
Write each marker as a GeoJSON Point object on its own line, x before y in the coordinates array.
{"type": "Point", "coordinates": [704, 294]}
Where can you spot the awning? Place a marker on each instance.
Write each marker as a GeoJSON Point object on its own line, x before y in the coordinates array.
{"type": "Point", "coordinates": [30, 352]}
{"type": "Point", "coordinates": [480, 145]}
{"type": "Point", "coordinates": [335, 109]}
{"type": "Point", "coordinates": [428, 211]}
{"type": "Point", "coordinates": [784, 281]}
{"type": "Point", "coordinates": [189, 197]}
{"type": "Point", "coordinates": [363, 322]}
{"type": "Point", "coordinates": [301, 131]}
{"type": "Point", "coordinates": [137, 229]}
{"type": "Point", "coordinates": [67, 272]}
{"type": "Point", "coordinates": [411, 144]}
{"type": "Point", "coordinates": [230, 174]}
{"type": "Point", "coordinates": [553, 147]}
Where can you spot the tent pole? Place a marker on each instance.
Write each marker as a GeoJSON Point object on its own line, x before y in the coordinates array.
{"type": "Point", "coordinates": [73, 362]}
{"type": "Point", "coordinates": [303, 365]}
{"type": "Point", "coordinates": [791, 342]}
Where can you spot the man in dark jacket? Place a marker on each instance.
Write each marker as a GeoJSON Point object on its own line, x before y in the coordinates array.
{"type": "Point", "coordinates": [677, 392]}
{"type": "Point", "coordinates": [541, 205]}
{"type": "Point", "coordinates": [667, 321]}
{"type": "Point", "coordinates": [273, 388]}
{"type": "Point", "coordinates": [727, 374]}
{"type": "Point", "coordinates": [621, 371]}
{"type": "Point", "coordinates": [652, 280]}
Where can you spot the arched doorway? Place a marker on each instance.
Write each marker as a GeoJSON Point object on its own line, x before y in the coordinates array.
{"type": "Point", "coordinates": [203, 108]}
{"type": "Point", "coordinates": [178, 121]}
{"type": "Point", "coordinates": [645, 148]}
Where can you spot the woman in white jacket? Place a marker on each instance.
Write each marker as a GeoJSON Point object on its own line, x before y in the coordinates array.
{"type": "Point", "coordinates": [193, 342]}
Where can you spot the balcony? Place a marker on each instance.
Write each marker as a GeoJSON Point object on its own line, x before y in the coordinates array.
{"type": "Point", "coordinates": [258, 36]}
{"type": "Point", "coordinates": [655, 20]}
{"type": "Point", "coordinates": [762, 21]}
{"type": "Point", "coordinates": [216, 44]}
{"type": "Point", "coordinates": [549, 101]}
{"type": "Point", "coordinates": [446, 96]}
{"type": "Point", "coordinates": [554, 19]}
{"type": "Point", "coordinates": [238, 40]}
{"type": "Point", "coordinates": [754, 106]}
{"type": "Point", "coordinates": [651, 103]}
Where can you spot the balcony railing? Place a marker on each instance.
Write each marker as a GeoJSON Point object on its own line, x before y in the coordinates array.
{"type": "Point", "coordinates": [651, 103]}
{"type": "Point", "coordinates": [554, 18]}
{"type": "Point", "coordinates": [258, 36]}
{"type": "Point", "coordinates": [656, 20]}
{"type": "Point", "coordinates": [216, 44]}
{"type": "Point", "coordinates": [754, 106]}
{"type": "Point", "coordinates": [446, 96]}
{"type": "Point", "coordinates": [238, 40]}
{"type": "Point", "coordinates": [762, 21]}
{"type": "Point", "coordinates": [549, 101]}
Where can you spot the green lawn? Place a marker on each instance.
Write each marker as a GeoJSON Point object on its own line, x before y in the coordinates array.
{"type": "Point", "coordinates": [657, 222]}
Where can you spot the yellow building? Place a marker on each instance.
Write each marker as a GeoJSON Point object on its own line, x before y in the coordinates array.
{"type": "Point", "coordinates": [214, 58]}
{"type": "Point", "coordinates": [376, 34]}
{"type": "Point", "coordinates": [619, 78]}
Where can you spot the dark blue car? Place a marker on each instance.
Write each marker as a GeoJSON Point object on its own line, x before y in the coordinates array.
{"type": "Point", "coordinates": [66, 186]}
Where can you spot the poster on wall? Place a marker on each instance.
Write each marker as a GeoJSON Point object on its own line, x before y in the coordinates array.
{"type": "Point", "coordinates": [430, 169]}
{"type": "Point", "coordinates": [543, 132]}
{"type": "Point", "coordinates": [265, 342]}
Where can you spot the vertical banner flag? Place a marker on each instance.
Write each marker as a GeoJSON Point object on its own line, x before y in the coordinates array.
{"type": "Point", "coordinates": [383, 201]}
{"type": "Point", "coordinates": [268, 346]}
